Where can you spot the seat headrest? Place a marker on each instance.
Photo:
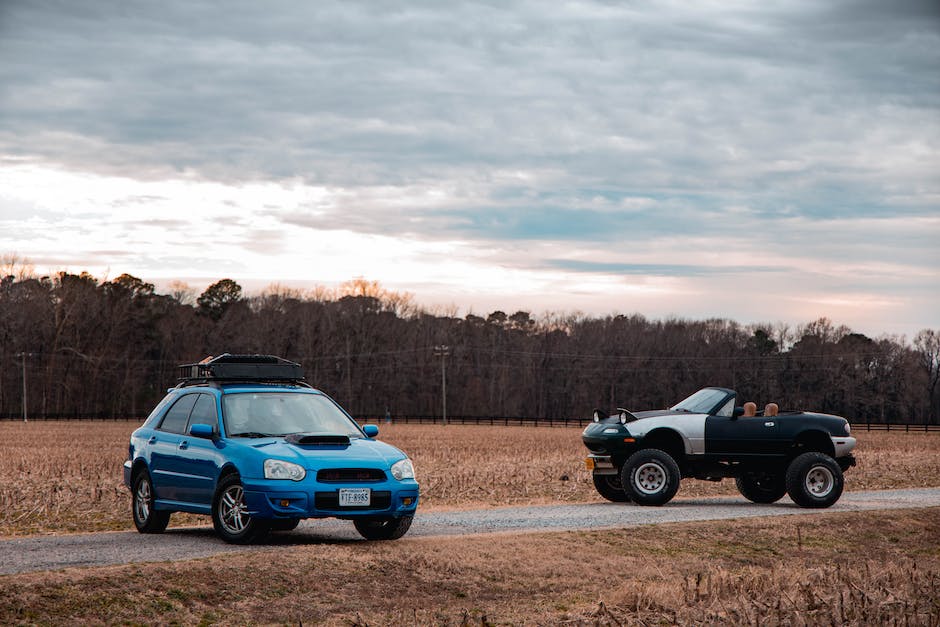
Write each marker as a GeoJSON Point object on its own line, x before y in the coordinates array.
{"type": "Point", "coordinates": [750, 409]}
{"type": "Point", "coordinates": [771, 409]}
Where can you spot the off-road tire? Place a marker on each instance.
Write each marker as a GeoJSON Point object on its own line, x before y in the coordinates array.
{"type": "Point", "coordinates": [147, 519]}
{"type": "Point", "coordinates": [814, 480]}
{"type": "Point", "coordinates": [766, 487]}
{"type": "Point", "coordinates": [650, 477]}
{"type": "Point", "coordinates": [383, 528]}
{"type": "Point", "coordinates": [610, 488]}
{"type": "Point", "coordinates": [231, 521]}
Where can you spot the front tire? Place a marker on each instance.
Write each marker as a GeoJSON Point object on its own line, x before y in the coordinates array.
{"type": "Point", "coordinates": [230, 515]}
{"type": "Point", "coordinates": [147, 519]}
{"type": "Point", "coordinates": [610, 488]}
{"type": "Point", "coordinates": [650, 477]}
{"type": "Point", "coordinates": [814, 480]}
{"type": "Point", "coordinates": [383, 528]}
{"type": "Point", "coordinates": [765, 487]}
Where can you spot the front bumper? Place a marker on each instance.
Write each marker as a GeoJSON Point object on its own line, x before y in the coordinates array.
{"type": "Point", "coordinates": [269, 498]}
{"type": "Point", "coordinates": [608, 439]}
{"type": "Point", "coordinates": [601, 465]}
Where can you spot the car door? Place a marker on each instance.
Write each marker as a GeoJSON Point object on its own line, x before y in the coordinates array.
{"type": "Point", "coordinates": [164, 443]}
{"type": "Point", "coordinates": [741, 437]}
{"type": "Point", "coordinates": [199, 459]}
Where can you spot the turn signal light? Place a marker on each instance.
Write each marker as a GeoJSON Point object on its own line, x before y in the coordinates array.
{"type": "Point", "coordinates": [407, 500]}
{"type": "Point", "coordinates": [285, 503]}
{"type": "Point", "coordinates": [629, 440]}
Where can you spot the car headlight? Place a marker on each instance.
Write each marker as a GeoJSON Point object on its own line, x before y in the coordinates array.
{"type": "Point", "coordinates": [279, 469]}
{"type": "Point", "coordinates": [403, 469]}
{"type": "Point", "coordinates": [848, 429]}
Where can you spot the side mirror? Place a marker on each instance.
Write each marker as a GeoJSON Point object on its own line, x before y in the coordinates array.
{"type": "Point", "coordinates": [738, 411]}
{"type": "Point", "coordinates": [370, 430]}
{"type": "Point", "coordinates": [202, 431]}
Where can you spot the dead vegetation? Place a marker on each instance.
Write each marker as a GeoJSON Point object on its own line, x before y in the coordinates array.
{"type": "Point", "coordinates": [880, 568]}
{"type": "Point", "coordinates": [66, 476]}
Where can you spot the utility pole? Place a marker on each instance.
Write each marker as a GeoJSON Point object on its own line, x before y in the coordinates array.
{"type": "Point", "coordinates": [24, 356]}
{"type": "Point", "coordinates": [443, 351]}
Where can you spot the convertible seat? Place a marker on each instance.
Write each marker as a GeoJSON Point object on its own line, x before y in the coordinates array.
{"type": "Point", "coordinates": [750, 409]}
{"type": "Point", "coordinates": [771, 409]}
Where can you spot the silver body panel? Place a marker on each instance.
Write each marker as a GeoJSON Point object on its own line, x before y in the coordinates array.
{"type": "Point", "coordinates": [843, 445]}
{"type": "Point", "coordinates": [690, 426]}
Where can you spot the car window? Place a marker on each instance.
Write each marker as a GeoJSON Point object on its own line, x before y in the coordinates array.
{"type": "Point", "coordinates": [281, 413]}
{"type": "Point", "coordinates": [701, 402]}
{"type": "Point", "coordinates": [728, 409]}
{"type": "Point", "coordinates": [178, 415]}
{"type": "Point", "coordinates": [204, 413]}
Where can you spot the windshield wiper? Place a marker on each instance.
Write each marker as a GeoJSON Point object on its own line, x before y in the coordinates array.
{"type": "Point", "coordinates": [252, 434]}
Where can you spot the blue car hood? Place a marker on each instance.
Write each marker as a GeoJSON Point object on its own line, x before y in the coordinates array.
{"type": "Point", "coordinates": [361, 452]}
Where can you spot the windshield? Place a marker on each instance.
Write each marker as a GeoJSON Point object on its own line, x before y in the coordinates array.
{"type": "Point", "coordinates": [261, 414]}
{"type": "Point", "coordinates": [702, 402]}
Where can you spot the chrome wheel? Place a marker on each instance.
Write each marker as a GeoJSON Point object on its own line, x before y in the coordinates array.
{"type": "Point", "coordinates": [232, 511]}
{"type": "Point", "coordinates": [142, 501]}
{"type": "Point", "coordinates": [147, 518]}
{"type": "Point", "coordinates": [819, 481]}
{"type": "Point", "coordinates": [649, 478]}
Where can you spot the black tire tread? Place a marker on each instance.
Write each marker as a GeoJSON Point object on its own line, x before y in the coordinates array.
{"type": "Point", "coordinates": [673, 473]}
{"type": "Point", "coordinates": [157, 521]}
{"type": "Point", "coordinates": [603, 487]}
{"type": "Point", "coordinates": [795, 475]}
{"type": "Point", "coordinates": [383, 528]}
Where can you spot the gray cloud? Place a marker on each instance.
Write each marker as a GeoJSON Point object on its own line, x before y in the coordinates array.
{"type": "Point", "coordinates": [588, 123]}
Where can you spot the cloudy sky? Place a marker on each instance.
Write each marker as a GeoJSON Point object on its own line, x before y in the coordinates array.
{"type": "Point", "coordinates": [748, 160]}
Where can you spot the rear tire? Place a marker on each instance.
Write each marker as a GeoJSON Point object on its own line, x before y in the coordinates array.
{"type": "Point", "coordinates": [610, 488]}
{"type": "Point", "coordinates": [766, 487]}
{"type": "Point", "coordinates": [383, 528]}
{"type": "Point", "coordinates": [814, 480]}
{"type": "Point", "coordinates": [650, 477]}
{"type": "Point", "coordinates": [147, 519]}
{"type": "Point", "coordinates": [284, 524]}
{"type": "Point", "coordinates": [230, 515]}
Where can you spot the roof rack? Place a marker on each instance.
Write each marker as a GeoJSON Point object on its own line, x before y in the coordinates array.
{"type": "Point", "coordinates": [228, 367]}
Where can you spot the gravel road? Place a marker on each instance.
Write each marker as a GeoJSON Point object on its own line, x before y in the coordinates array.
{"type": "Point", "coordinates": [38, 553]}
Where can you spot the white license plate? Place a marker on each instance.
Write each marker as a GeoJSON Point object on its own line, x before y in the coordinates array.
{"type": "Point", "coordinates": [355, 497]}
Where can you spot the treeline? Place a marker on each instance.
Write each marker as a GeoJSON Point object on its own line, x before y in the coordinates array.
{"type": "Point", "coordinates": [109, 349]}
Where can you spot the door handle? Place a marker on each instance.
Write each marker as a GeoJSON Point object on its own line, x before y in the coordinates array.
{"type": "Point", "coordinates": [184, 444]}
{"type": "Point", "coordinates": [152, 440]}
{"type": "Point", "coordinates": [769, 424]}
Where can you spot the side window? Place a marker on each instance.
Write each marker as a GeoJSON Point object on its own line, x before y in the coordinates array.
{"type": "Point", "coordinates": [727, 409]}
{"type": "Point", "coordinates": [175, 419]}
{"type": "Point", "coordinates": [204, 412]}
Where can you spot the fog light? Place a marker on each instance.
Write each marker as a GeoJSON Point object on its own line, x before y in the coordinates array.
{"type": "Point", "coordinates": [407, 500]}
{"type": "Point", "coordinates": [285, 503]}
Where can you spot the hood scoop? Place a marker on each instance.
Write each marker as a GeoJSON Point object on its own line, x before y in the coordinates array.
{"type": "Point", "coordinates": [309, 438]}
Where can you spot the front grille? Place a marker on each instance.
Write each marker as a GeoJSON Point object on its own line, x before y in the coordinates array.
{"type": "Point", "coordinates": [330, 501]}
{"type": "Point", "coordinates": [350, 475]}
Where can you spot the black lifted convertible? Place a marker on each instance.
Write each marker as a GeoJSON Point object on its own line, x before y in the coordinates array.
{"type": "Point", "coordinates": [641, 456]}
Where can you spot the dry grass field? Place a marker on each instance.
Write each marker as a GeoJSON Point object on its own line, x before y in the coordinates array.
{"type": "Point", "coordinates": [880, 568]}
{"type": "Point", "coordinates": [66, 476]}
{"type": "Point", "coordinates": [834, 568]}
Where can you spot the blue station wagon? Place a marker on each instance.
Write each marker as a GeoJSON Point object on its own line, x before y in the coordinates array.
{"type": "Point", "coordinates": [245, 440]}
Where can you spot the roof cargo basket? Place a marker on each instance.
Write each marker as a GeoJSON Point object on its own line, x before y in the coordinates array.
{"type": "Point", "coordinates": [227, 367]}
